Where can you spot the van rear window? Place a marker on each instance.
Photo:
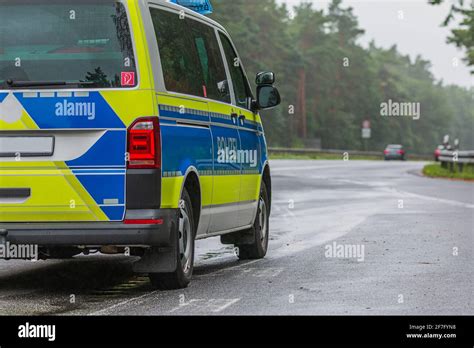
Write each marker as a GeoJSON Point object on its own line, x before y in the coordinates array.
{"type": "Point", "coordinates": [66, 41]}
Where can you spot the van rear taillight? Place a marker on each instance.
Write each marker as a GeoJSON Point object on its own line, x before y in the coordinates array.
{"type": "Point", "coordinates": [144, 144]}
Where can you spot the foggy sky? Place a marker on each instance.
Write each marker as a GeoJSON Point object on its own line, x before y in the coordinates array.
{"type": "Point", "coordinates": [419, 32]}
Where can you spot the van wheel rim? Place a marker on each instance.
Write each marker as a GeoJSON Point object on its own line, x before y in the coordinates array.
{"type": "Point", "coordinates": [262, 220]}
{"type": "Point", "coordinates": [184, 231]}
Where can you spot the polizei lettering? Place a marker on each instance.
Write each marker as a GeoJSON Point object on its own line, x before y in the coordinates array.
{"type": "Point", "coordinates": [76, 109]}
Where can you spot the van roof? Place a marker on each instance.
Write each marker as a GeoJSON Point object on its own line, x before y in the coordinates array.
{"type": "Point", "coordinates": [189, 12]}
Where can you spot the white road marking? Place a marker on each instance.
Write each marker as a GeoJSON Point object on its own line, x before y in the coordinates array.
{"type": "Point", "coordinates": [439, 200]}
{"type": "Point", "coordinates": [227, 305]}
{"type": "Point", "coordinates": [205, 306]}
{"type": "Point", "coordinates": [183, 305]}
{"type": "Point", "coordinates": [107, 309]}
{"type": "Point", "coordinates": [133, 299]}
{"type": "Point", "coordinates": [409, 194]}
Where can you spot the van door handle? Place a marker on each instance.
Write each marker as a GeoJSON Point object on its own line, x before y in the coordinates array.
{"type": "Point", "coordinates": [241, 120]}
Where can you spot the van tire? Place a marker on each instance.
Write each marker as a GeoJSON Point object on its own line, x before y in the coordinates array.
{"type": "Point", "coordinates": [261, 228]}
{"type": "Point", "coordinates": [185, 241]}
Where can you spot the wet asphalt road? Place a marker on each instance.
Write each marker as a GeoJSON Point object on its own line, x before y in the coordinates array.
{"type": "Point", "coordinates": [416, 235]}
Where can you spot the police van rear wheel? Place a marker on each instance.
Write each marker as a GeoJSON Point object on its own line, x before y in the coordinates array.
{"type": "Point", "coordinates": [180, 278]}
{"type": "Point", "coordinates": [258, 249]}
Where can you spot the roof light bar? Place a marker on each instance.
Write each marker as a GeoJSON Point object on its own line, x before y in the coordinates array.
{"type": "Point", "coordinates": [203, 7]}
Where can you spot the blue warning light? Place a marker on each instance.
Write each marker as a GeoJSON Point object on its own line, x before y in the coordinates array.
{"type": "Point", "coordinates": [203, 7]}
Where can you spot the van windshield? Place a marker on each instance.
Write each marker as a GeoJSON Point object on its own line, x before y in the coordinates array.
{"type": "Point", "coordinates": [63, 42]}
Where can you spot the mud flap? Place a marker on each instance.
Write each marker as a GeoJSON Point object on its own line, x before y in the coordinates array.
{"type": "Point", "coordinates": [246, 237]}
{"type": "Point", "coordinates": [160, 259]}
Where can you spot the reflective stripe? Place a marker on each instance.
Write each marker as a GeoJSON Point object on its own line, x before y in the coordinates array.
{"type": "Point", "coordinates": [173, 113]}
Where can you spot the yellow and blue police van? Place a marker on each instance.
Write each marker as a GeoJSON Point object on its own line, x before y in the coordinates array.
{"type": "Point", "coordinates": [130, 126]}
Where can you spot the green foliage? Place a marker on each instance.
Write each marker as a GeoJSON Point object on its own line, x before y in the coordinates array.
{"type": "Point", "coordinates": [98, 77]}
{"type": "Point", "coordinates": [344, 82]}
{"type": "Point", "coordinates": [463, 35]}
{"type": "Point", "coordinates": [436, 171]}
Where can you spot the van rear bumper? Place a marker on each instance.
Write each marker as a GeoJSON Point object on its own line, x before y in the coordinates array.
{"type": "Point", "coordinates": [93, 234]}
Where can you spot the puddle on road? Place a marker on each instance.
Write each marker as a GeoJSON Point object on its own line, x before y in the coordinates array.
{"type": "Point", "coordinates": [68, 286]}
{"type": "Point", "coordinates": [212, 254]}
{"type": "Point", "coordinates": [134, 285]}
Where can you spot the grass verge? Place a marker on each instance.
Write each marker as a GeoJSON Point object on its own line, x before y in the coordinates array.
{"type": "Point", "coordinates": [435, 170]}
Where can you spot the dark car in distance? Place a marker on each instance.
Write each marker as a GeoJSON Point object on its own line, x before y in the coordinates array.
{"type": "Point", "coordinates": [394, 152]}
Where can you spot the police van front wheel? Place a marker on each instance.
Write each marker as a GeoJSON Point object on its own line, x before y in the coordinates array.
{"type": "Point", "coordinates": [181, 277]}
{"type": "Point", "coordinates": [258, 248]}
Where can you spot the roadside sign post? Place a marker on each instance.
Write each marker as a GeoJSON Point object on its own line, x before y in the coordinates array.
{"type": "Point", "coordinates": [366, 133]}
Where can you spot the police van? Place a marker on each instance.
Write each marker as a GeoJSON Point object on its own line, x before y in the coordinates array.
{"type": "Point", "coordinates": [129, 126]}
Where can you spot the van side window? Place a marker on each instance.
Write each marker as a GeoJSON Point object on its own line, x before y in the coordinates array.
{"type": "Point", "coordinates": [242, 90]}
{"type": "Point", "coordinates": [179, 58]}
{"type": "Point", "coordinates": [190, 56]}
{"type": "Point", "coordinates": [212, 64]}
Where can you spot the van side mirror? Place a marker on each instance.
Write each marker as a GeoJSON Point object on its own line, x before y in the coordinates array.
{"type": "Point", "coordinates": [267, 97]}
{"type": "Point", "coordinates": [265, 78]}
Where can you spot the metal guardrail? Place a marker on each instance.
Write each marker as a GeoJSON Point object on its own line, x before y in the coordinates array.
{"type": "Point", "coordinates": [378, 154]}
{"type": "Point", "coordinates": [457, 156]}
{"type": "Point", "coordinates": [449, 159]}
